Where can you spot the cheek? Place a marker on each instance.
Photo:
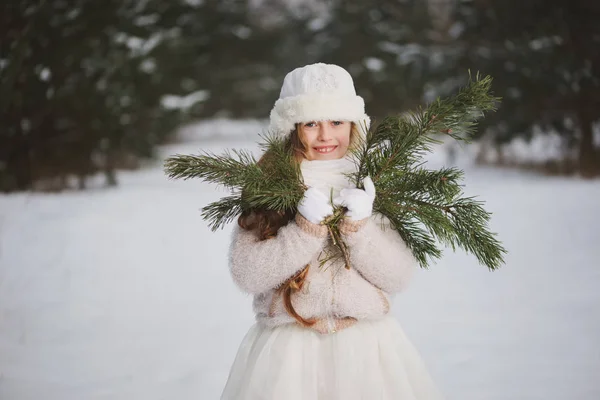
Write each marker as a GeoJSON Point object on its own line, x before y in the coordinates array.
{"type": "Point", "coordinates": [310, 137]}
{"type": "Point", "coordinates": [345, 141]}
{"type": "Point", "coordinates": [344, 138]}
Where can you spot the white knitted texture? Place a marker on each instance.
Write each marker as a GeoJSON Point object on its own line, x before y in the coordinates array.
{"type": "Point", "coordinates": [317, 92]}
{"type": "Point", "coordinates": [381, 265]}
{"type": "Point", "coordinates": [328, 175]}
{"type": "Point", "coordinates": [318, 78]}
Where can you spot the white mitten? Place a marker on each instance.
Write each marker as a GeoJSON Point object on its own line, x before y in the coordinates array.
{"type": "Point", "coordinates": [315, 206]}
{"type": "Point", "coordinates": [358, 202]}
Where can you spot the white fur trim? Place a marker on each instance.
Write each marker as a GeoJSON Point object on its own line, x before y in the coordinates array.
{"type": "Point", "coordinates": [316, 107]}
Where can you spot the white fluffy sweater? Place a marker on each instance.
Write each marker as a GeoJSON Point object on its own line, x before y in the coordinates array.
{"type": "Point", "coordinates": [381, 264]}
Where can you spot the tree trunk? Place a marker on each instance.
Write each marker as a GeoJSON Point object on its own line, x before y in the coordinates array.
{"type": "Point", "coordinates": [110, 168]}
{"type": "Point", "coordinates": [589, 165]}
{"type": "Point", "coordinates": [19, 164]}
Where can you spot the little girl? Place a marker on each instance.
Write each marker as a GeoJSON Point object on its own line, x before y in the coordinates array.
{"type": "Point", "coordinates": [323, 331]}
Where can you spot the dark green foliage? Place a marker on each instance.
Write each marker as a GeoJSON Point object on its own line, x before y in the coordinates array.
{"type": "Point", "coordinates": [424, 206]}
{"type": "Point", "coordinates": [545, 60]}
{"type": "Point", "coordinates": [427, 206]}
{"type": "Point", "coordinates": [76, 96]}
{"type": "Point", "coordinates": [272, 184]}
{"type": "Point", "coordinates": [81, 82]}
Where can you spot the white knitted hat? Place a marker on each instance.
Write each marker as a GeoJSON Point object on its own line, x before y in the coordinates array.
{"type": "Point", "coordinates": [317, 92]}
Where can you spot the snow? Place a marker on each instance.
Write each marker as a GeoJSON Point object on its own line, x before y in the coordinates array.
{"type": "Point", "coordinates": [145, 20]}
{"type": "Point", "coordinates": [276, 13]}
{"type": "Point", "coordinates": [243, 32]}
{"type": "Point", "coordinates": [545, 42]}
{"type": "Point", "coordinates": [405, 53]}
{"type": "Point", "coordinates": [542, 147]}
{"type": "Point", "coordinates": [223, 129]}
{"type": "Point", "coordinates": [374, 64]}
{"type": "Point", "coordinates": [172, 102]}
{"type": "Point", "coordinates": [456, 29]}
{"type": "Point", "coordinates": [140, 46]}
{"type": "Point", "coordinates": [125, 293]}
{"type": "Point", "coordinates": [194, 3]}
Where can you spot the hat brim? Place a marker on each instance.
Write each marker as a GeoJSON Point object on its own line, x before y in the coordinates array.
{"type": "Point", "coordinates": [289, 111]}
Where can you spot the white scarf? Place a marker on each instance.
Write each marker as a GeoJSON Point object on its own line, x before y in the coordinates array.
{"type": "Point", "coordinates": [328, 175]}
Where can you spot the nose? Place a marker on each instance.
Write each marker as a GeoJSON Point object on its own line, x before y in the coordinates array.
{"type": "Point", "coordinates": [324, 132]}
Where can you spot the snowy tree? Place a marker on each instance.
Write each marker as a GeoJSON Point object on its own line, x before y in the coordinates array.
{"type": "Point", "coordinates": [545, 61]}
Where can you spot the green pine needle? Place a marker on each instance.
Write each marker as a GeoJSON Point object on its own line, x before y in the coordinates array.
{"type": "Point", "coordinates": [426, 207]}
{"type": "Point", "coordinates": [275, 184]}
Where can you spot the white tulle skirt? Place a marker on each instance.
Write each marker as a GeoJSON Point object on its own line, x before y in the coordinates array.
{"type": "Point", "coordinates": [371, 360]}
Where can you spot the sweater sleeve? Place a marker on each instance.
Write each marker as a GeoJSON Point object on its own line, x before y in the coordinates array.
{"type": "Point", "coordinates": [259, 265]}
{"type": "Point", "coordinates": [379, 254]}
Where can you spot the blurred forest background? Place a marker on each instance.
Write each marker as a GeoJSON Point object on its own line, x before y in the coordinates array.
{"type": "Point", "coordinates": [90, 87]}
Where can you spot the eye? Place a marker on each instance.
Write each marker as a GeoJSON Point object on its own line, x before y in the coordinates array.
{"type": "Point", "coordinates": [337, 123]}
{"type": "Point", "coordinates": [311, 124]}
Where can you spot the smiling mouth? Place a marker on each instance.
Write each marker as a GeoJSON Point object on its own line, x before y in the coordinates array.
{"type": "Point", "coordinates": [325, 149]}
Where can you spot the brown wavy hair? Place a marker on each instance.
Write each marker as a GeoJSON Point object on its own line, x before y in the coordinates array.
{"type": "Point", "coordinates": [266, 223]}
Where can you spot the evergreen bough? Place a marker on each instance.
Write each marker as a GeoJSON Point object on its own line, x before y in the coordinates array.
{"type": "Point", "coordinates": [426, 207]}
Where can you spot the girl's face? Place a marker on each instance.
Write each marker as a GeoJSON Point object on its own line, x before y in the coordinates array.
{"type": "Point", "coordinates": [326, 140]}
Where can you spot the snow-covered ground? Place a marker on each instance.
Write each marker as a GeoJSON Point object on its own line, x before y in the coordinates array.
{"type": "Point", "coordinates": [125, 293]}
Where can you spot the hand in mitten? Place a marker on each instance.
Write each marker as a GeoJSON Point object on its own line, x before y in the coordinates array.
{"type": "Point", "coordinates": [315, 206]}
{"type": "Point", "coordinates": [359, 202]}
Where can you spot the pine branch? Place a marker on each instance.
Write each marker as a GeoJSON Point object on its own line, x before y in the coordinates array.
{"type": "Point", "coordinates": [416, 236]}
{"type": "Point", "coordinates": [425, 207]}
{"type": "Point", "coordinates": [470, 222]}
{"type": "Point", "coordinates": [273, 184]}
{"type": "Point", "coordinates": [220, 169]}
{"type": "Point", "coordinates": [457, 116]}
{"type": "Point", "coordinates": [335, 237]}
{"type": "Point", "coordinates": [220, 213]}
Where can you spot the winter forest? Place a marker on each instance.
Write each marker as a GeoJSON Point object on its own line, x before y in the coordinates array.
{"type": "Point", "coordinates": [90, 87]}
{"type": "Point", "coordinates": [113, 287]}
